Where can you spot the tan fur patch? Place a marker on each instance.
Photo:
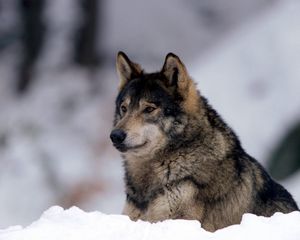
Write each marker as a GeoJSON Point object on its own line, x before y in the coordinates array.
{"type": "Point", "coordinates": [191, 99]}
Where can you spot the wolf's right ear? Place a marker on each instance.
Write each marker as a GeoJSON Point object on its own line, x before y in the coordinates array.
{"type": "Point", "coordinates": [126, 69]}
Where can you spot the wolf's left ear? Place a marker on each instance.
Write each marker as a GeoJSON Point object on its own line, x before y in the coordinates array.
{"type": "Point", "coordinates": [177, 76]}
{"type": "Point", "coordinates": [126, 69]}
{"type": "Point", "coordinates": [175, 72]}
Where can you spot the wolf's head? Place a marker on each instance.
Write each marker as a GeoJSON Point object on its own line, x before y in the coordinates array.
{"type": "Point", "coordinates": [152, 109]}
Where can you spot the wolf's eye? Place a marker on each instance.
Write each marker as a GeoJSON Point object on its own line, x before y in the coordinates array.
{"type": "Point", "coordinates": [149, 109]}
{"type": "Point", "coordinates": [123, 109]}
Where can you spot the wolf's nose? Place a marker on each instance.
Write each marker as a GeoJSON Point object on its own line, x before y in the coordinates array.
{"type": "Point", "coordinates": [117, 136]}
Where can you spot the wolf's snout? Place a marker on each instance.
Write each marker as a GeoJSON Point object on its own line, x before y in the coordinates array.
{"type": "Point", "coordinates": [117, 136]}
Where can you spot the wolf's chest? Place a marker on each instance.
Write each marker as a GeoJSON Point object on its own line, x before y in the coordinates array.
{"type": "Point", "coordinates": [174, 201]}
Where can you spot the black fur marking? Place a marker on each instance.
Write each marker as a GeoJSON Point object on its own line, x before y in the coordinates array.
{"type": "Point", "coordinates": [272, 191]}
{"type": "Point", "coordinates": [199, 185]}
{"type": "Point", "coordinates": [174, 80]}
{"type": "Point", "coordinates": [239, 164]}
{"type": "Point", "coordinates": [142, 198]}
{"type": "Point", "coordinates": [142, 205]}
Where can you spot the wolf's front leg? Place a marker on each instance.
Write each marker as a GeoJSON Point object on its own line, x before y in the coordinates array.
{"type": "Point", "coordinates": [131, 211]}
{"type": "Point", "coordinates": [177, 202]}
{"type": "Point", "coordinates": [158, 210]}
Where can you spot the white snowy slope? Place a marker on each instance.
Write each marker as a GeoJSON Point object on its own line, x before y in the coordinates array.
{"type": "Point", "coordinates": [76, 224]}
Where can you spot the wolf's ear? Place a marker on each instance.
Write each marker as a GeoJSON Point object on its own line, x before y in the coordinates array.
{"type": "Point", "coordinates": [126, 69]}
{"type": "Point", "coordinates": [177, 76]}
{"type": "Point", "coordinates": [175, 72]}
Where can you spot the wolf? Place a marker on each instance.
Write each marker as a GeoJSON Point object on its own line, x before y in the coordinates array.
{"type": "Point", "coordinates": [181, 160]}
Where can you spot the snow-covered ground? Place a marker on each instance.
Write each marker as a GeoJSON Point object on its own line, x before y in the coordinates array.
{"type": "Point", "coordinates": [54, 144]}
{"type": "Point", "coordinates": [76, 224]}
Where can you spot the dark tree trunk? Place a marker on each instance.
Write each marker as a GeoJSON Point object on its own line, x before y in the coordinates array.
{"type": "Point", "coordinates": [33, 31]}
{"type": "Point", "coordinates": [86, 53]}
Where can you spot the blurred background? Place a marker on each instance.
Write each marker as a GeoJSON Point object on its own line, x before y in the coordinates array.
{"type": "Point", "coordinates": [58, 84]}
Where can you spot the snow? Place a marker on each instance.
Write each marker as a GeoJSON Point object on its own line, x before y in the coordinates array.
{"type": "Point", "coordinates": [57, 223]}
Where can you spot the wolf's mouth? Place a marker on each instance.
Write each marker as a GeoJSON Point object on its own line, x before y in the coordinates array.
{"type": "Point", "coordinates": [123, 148]}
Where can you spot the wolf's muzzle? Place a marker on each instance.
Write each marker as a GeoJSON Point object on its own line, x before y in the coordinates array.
{"type": "Point", "coordinates": [117, 136]}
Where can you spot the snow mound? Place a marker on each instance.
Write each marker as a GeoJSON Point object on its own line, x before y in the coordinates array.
{"type": "Point", "coordinates": [57, 223]}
